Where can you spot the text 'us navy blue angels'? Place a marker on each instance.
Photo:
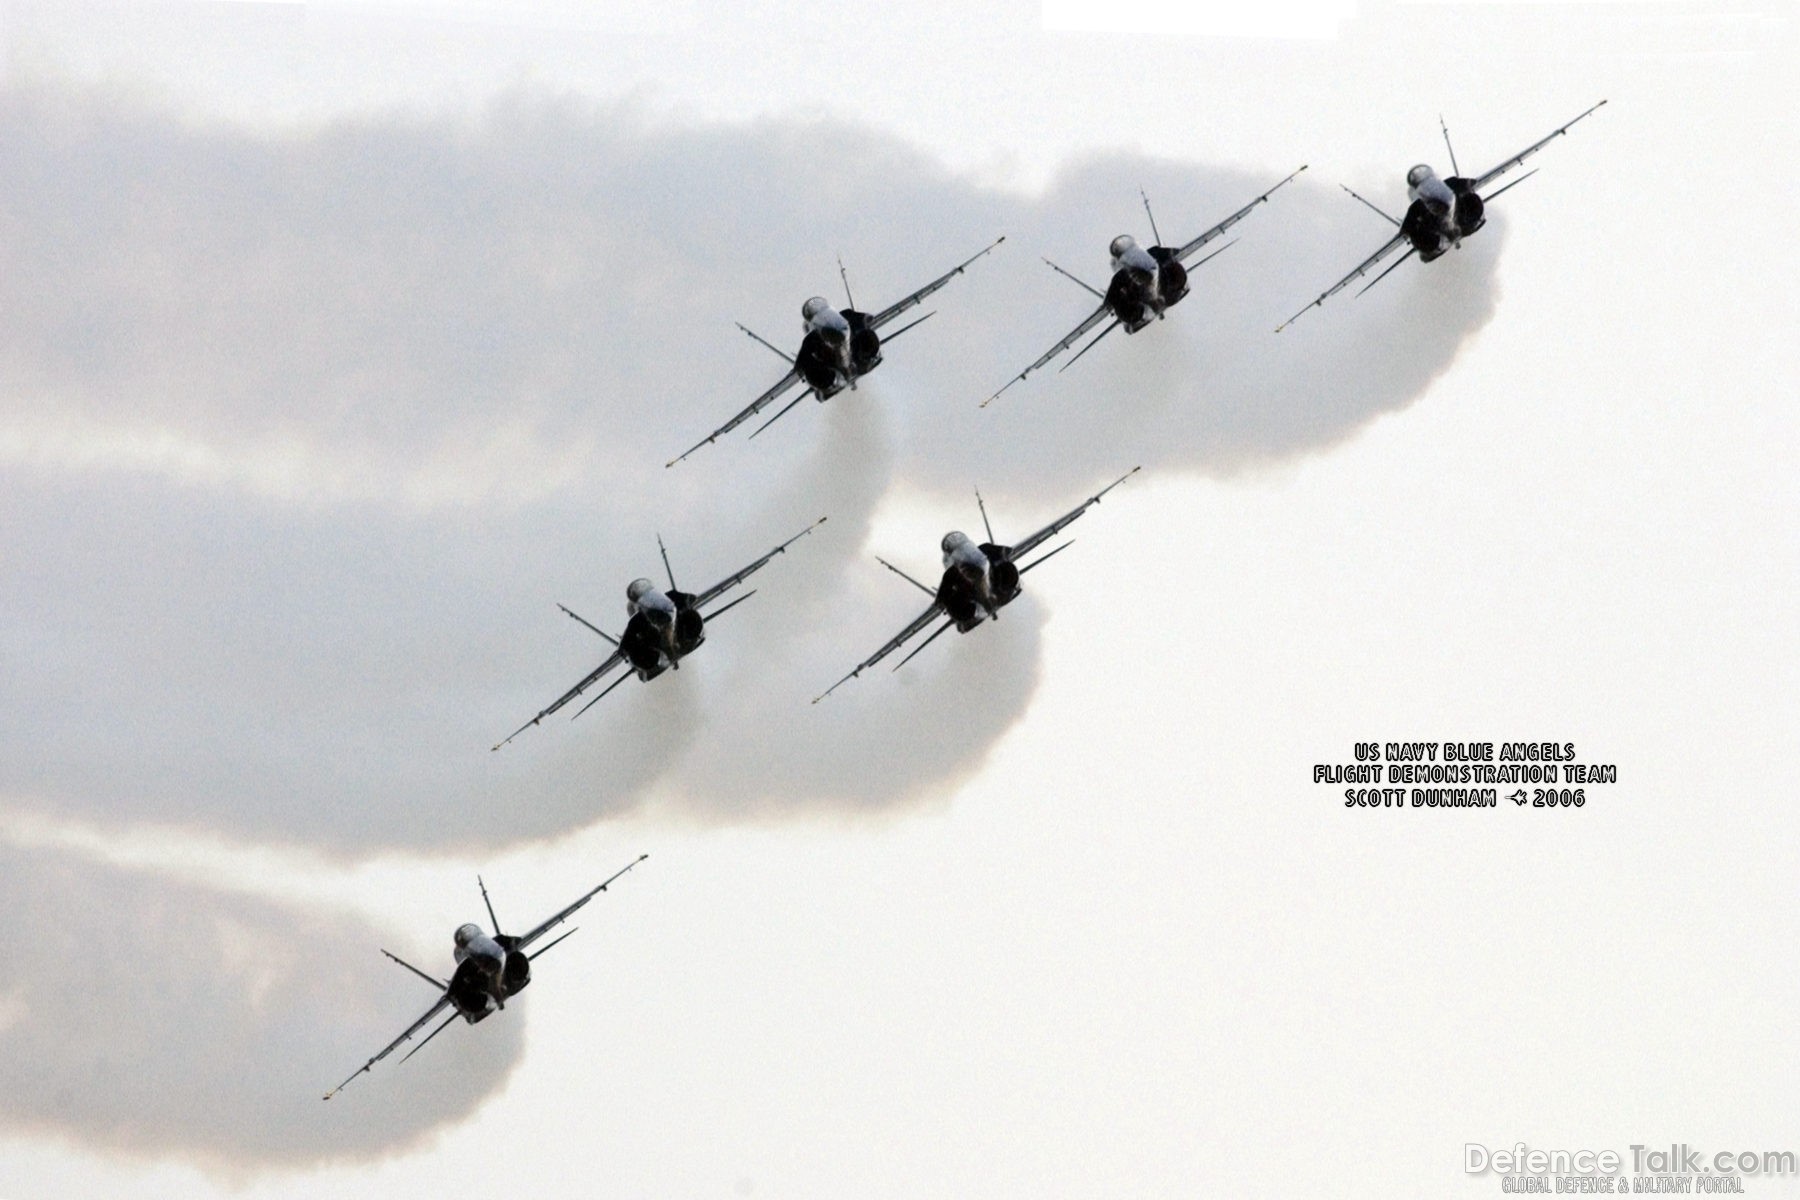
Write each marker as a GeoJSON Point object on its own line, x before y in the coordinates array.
{"type": "Point", "coordinates": [839, 347]}
{"type": "Point", "coordinates": [489, 971]}
{"type": "Point", "coordinates": [1145, 284]}
{"type": "Point", "coordinates": [661, 628]}
{"type": "Point", "coordinates": [978, 580]}
{"type": "Point", "coordinates": [1443, 212]}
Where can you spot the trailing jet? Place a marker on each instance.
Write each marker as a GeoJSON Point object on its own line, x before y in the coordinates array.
{"type": "Point", "coordinates": [1145, 284]}
{"type": "Point", "coordinates": [840, 346]}
{"type": "Point", "coordinates": [1443, 212]}
{"type": "Point", "coordinates": [661, 628]}
{"type": "Point", "coordinates": [489, 972]}
{"type": "Point", "coordinates": [979, 580]}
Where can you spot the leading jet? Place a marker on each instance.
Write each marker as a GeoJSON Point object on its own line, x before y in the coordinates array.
{"type": "Point", "coordinates": [1145, 284]}
{"type": "Point", "coordinates": [661, 628]}
{"type": "Point", "coordinates": [1441, 214]}
{"type": "Point", "coordinates": [489, 972]}
{"type": "Point", "coordinates": [839, 347]}
{"type": "Point", "coordinates": [979, 580]}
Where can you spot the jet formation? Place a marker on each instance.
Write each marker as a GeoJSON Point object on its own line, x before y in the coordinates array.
{"type": "Point", "coordinates": [840, 346]}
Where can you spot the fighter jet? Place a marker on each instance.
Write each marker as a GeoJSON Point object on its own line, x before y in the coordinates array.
{"type": "Point", "coordinates": [840, 346]}
{"type": "Point", "coordinates": [1443, 212]}
{"type": "Point", "coordinates": [1145, 284]}
{"type": "Point", "coordinates": [489, 972]}
{"type": "Point", "coordinates": [979, 580]}
{"type": "Point", "coordinates": [661, 628]}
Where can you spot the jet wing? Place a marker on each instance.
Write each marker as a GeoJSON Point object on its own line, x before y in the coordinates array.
{"type": "Point", "coordinates": [1080, 331]}
{"type": "Point", "coordinates": [434, 1010]}
{"type": "Point", "coordinates": [1228, 222]}
{"type": "Point", "coordinates": [730, 581]}
{"type": "Point", "coordinates": [1368, 264]}
{"type": "Point", "coordinates": [1487, 177]}
{"type": "Point", "coordinates": [893, 310]}
{"type": "Point", "coordinates": [898, 640]}
{"type": "Point", "coordinates": [756, 406]}
{"type": "Point", "coordinates": [613, 661]}
{"type": "Point", "coordinates": [565, 914]}
{"type": "Point", "coordinates": [1021, 549]}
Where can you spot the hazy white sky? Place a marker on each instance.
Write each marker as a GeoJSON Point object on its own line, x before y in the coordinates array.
{"type": "Point", "coordinates": [1107, 938]}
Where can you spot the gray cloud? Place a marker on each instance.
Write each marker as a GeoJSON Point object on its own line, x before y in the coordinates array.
{"type": "Point", "coordinates": [167, 1019]}
{"type": "Point", "coordinates": [305, 434]}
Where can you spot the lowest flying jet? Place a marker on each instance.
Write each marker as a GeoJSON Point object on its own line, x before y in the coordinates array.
{"type": "Point", "coordinates": [1145, 284]}
{"type": "Point", "coordinates": [489, 972]}
{"type": "Point", "coordinates": [839, 347]}
{"type": "Point", "coordinates": [979, 580]}
{"type": "Point", "coordinates": [1443, 212]}
{"type": "Point", "coordinates": [661, 628]}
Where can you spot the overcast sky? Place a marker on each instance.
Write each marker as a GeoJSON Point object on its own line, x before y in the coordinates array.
{"type": "Point", "coordinates": [341, 343]}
